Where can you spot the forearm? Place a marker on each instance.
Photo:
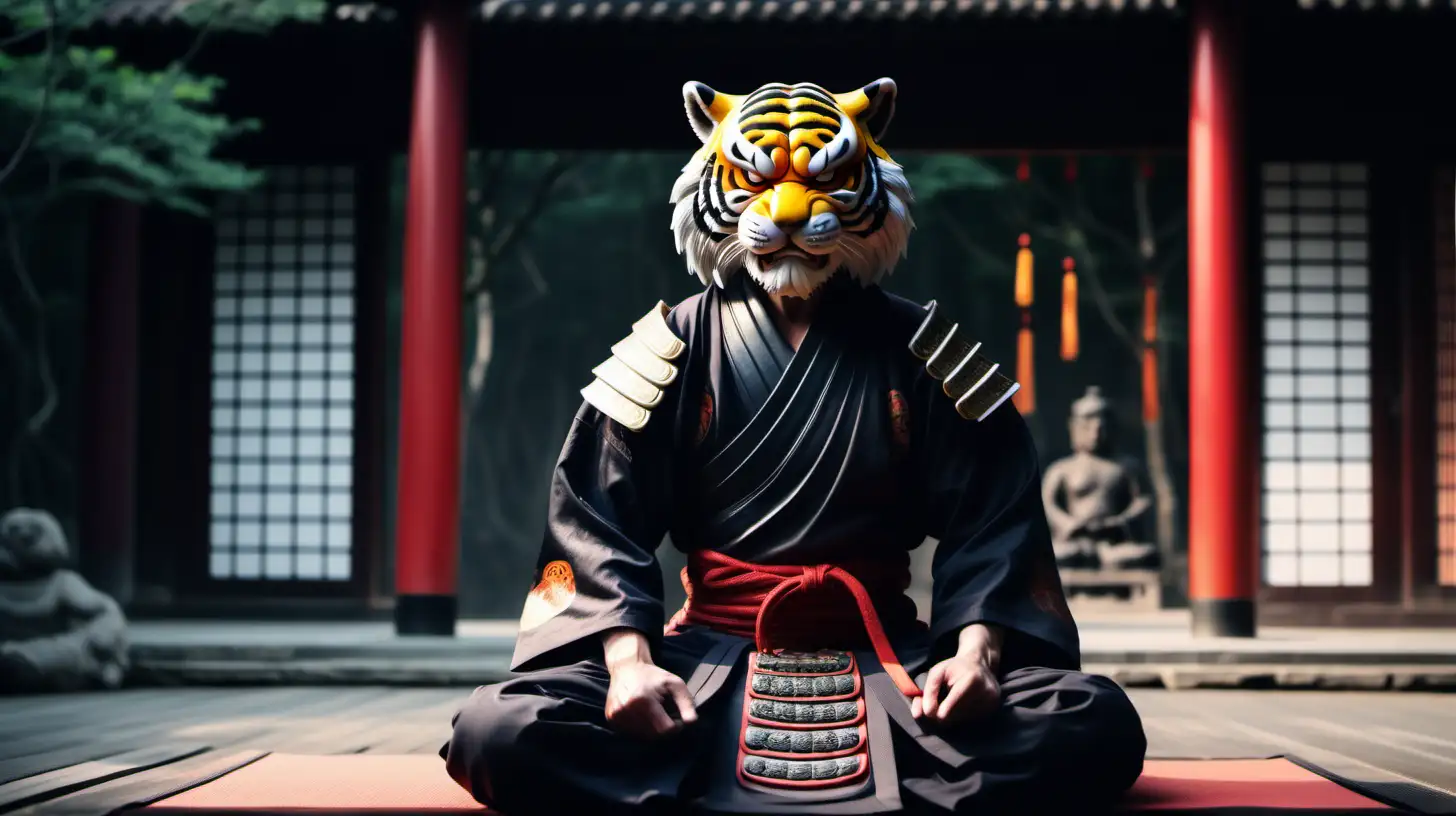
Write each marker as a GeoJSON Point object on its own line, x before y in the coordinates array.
{"type": "Point", "coordinates": [982, 642]}
{"type": "Point", "coordinates": [1056, 516]}
{"type": "Point", "coordinates": [623, 646]}
{"type": "Point", "coordinates": [1134, 511]}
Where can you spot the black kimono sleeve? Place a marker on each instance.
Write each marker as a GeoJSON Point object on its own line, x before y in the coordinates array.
{"type": "Point", "coordinates": [994, 562]}
{"type": "Point", "coordinates": [609, 510]}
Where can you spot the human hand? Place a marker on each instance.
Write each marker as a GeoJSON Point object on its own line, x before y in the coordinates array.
{"type": "Point", "coordinates": [1096, 525]}
{"type": "Point", "coordinates": [959, 689]}
{"type": "Point", "coordinates": [638, 697]}
{"type": "Point", "coordinates": [1086, 527]}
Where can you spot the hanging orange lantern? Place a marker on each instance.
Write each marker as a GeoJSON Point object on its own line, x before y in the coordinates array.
{"type": "Point", "coordinates": [1070, 336]}
{"type": "Point", "coordinates": [1023, 273]}
{"type": "Point", "coordinates": [1150, 312]}
{"type": "Point", "coordinates": [1025, 396]}
{"type": "Point", "coordinates": [1152, 410]}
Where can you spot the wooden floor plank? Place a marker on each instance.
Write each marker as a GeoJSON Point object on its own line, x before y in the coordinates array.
{"type": "Point", "coordinates": [20, 768]}
{"type": "Point", "coordinates": [1350, 753]}
{"type": "Point", "coordinates": [1366, 744]}
{"type": "Point", "coordinates": [142, 787]}
{"type": "Point", "coordinates": [333, 715]}
{"type": "Point", "coordinates": [70, 779]}
{"type": "Point", "coordinates": [200, 720]}
{"type": "Point", "coordinates": [1388, 739]}
{"type": "Point", "coordinates": [1184, 737]}
{"type": "Point", "coordinates": [97, 706]}
{"type": "Point", "coordinates": [421, 730]}
{"type": "Point", "coordinates": [344, 734]}
{"type": "Point", "coordinates": [128, 710]}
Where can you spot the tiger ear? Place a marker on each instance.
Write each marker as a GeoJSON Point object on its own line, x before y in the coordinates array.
{"type": "Point", "coordinates": [873, 106]}
{"type": "Point", "coordinates": [706, 108]}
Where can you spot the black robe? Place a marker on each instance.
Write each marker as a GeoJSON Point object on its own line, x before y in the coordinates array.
{"type": "Point", "coordinates": [844, 450]}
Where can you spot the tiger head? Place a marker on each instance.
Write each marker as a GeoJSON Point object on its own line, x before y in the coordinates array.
{"type": "Point", "coordinates": [792, 185]}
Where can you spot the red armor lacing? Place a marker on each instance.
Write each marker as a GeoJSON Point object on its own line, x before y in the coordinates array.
{"type": "Point", "coordinates": [738, 597]}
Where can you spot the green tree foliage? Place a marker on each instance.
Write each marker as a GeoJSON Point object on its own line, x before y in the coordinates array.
{"type": "Point", "coordinates": [79, 122]}
{"type": "Point", "coordinates": [78, 119]}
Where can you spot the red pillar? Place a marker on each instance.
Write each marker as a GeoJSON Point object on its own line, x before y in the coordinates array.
{"type": "Point", "coordinates": [427, 542]}
{"type": "Point", "coordinates": [1222, 521]}
{"type": "Point", "coordinates": [109, 428]}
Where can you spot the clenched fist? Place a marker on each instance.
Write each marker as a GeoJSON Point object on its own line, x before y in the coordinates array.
{"type": "Point", "coordinates": [638, 700]}
{"type": "Point", "coordinates": [642, 694]}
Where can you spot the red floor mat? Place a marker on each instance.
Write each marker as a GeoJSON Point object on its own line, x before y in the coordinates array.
{"type": "Point", "coordinates": [343, 783]}
{"type": "Point", "coordinates": [1217, 784]}
{"type": "Point", "coordinates": [382, 784]}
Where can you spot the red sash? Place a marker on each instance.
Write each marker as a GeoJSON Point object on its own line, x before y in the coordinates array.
{"type": "Point", "coordinates": [739, 598]}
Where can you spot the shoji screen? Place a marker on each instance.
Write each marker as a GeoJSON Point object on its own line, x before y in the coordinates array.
{"type": "Point", "coordinates": [283, 379]}
{"type": "Point", "coordinates": [1317, 440]}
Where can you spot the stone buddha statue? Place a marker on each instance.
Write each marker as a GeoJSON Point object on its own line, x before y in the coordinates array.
{"type": "Point", "coordinates": [1094, 502]}
{"type": "Point", "coordinates": [57, 632]}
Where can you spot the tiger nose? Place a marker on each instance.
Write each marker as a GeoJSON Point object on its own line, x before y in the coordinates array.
{"type": "Point", "coordinates": [790, 206]}
{"type": "Point", "coordinates": [822, 225]}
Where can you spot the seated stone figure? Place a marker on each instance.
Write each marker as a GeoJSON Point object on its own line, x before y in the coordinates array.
{"type": "Point", "coordinates": [57, 632]}
{"type": "Point", "coordinates": [798, 431]}
{"type": "Point", "coordinates": [1093, 501]}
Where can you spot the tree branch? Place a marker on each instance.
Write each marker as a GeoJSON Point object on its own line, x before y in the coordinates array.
{"type": "Point", "coordinates": [45, 95]}
{"type": "Point", "coordinates": [169, 84]}
{"type": "Point", "coordinates": [1169, 263]}
{"type": "Point", "coordinates": [42, 416]}
{"type": "Point", "coordinates": [540, 288]}
{"type": "Point", "coordinates": [1082, 216]}
{"type": "Point", "coordinates": [8, 330]}
{"type": "Point", "coordinates": [1147, 243]}
{"type": "Point", "coordinates": [477, 267]}
{"type": "Point", "coordinates": [971, 247]}
{"type": "Point", "coordinates": [492, 163]}
{"type": "Point", "coordinates": [31, 430]}
{"type": "Point", "coordinates": [513, 231]}
{"type": "Point", "coordinates": [1176, 223]}
{"type": "Point", "coordinates": [1076, 241]}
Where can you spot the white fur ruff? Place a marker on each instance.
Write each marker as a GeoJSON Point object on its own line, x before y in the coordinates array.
{"type": "Point", "coordinates": [867, 258]}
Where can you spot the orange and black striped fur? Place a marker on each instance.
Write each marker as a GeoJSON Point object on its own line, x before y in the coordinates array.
{"type": "Point", "coordinates": [792, 185]}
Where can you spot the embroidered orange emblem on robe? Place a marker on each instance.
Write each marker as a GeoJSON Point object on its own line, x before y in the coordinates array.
{"type": "Point", "coordinates": [550, 596]}
{"type": "Point", "coordinates": [899, 419]}
{"type": "Point", "coordinates": [705, 417]}
{"type": "Point", "coordinates": [1046, 588]}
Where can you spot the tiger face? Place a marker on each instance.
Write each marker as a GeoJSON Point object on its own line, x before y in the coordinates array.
{"type": "Point", "coordinates": [792, 185]}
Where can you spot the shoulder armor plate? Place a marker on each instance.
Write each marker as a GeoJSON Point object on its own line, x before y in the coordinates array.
{"type": "Point", "coordinates": [629, 384]}
{"type": "Point", "coordinates": [975, 383]}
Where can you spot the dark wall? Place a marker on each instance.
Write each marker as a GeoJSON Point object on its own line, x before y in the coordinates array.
{"type": "Point", "coordinates": [1342, 84]}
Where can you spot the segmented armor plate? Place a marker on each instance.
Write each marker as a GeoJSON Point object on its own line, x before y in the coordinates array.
{"type": "Point", "coordinates": [803, 721]}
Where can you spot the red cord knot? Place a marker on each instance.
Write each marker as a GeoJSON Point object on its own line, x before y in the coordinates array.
{"type": "Point", "coordinates": [739, 598]}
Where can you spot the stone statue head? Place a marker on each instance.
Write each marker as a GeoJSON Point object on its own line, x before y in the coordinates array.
{"type": "Point", "coordinates": [31, 544]}
{"type": "Point", "coordinates": [1089, 426]}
